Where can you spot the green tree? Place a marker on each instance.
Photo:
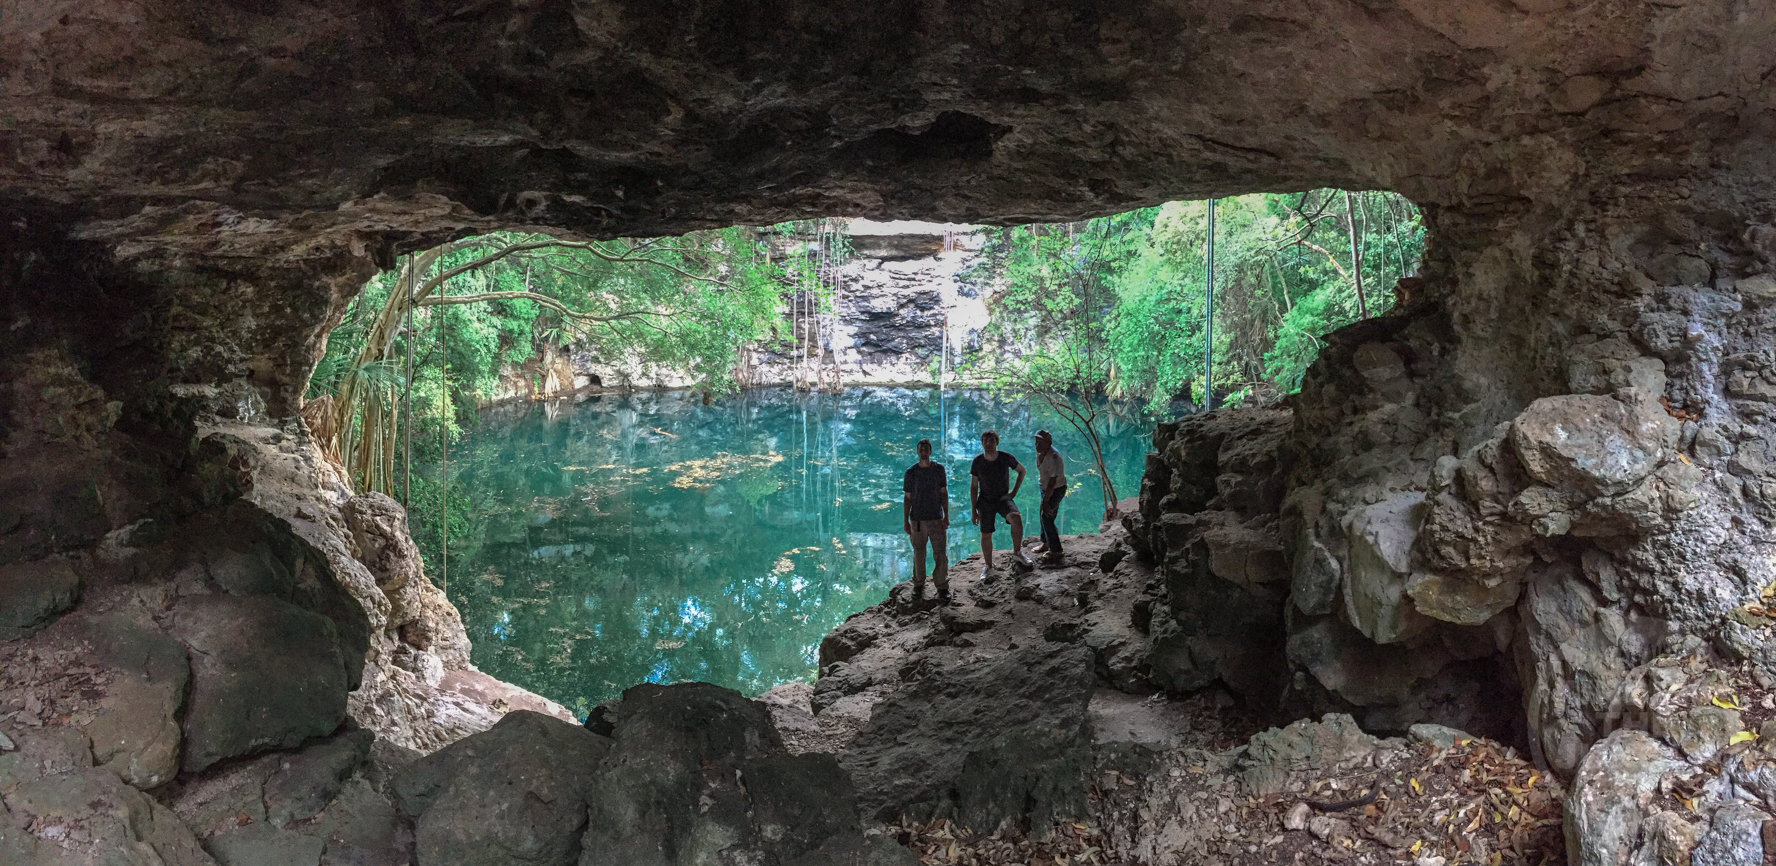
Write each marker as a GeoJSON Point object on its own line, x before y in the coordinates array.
{"type": "Point", "coordinates": [428, 340]}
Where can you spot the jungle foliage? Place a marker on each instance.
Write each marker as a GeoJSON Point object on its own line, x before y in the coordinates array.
{"type": "Point", "coordinates": [1114, 307]}
{"type": "Point", "coordinates": [459, 315]}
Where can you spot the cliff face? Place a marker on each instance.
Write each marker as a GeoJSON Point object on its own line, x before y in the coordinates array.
{"type": "Point", "coordinates": [1560, 442]}
{"type": "Point", "coordinates": [905, 288]}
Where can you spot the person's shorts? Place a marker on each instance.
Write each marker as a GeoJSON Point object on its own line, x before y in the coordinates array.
{"type": "Point", "coordinates": [988, 509]}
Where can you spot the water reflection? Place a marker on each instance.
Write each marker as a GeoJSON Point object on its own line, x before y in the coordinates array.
{"type": "Point", "coordinates": [651, 537]}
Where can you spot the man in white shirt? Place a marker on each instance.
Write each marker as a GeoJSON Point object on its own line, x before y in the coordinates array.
{"type": "Point", "coordinates": [1051, 482]}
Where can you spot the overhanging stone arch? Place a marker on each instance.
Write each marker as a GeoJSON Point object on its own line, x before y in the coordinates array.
{"type": "Point", "coordinates": [188, 195]}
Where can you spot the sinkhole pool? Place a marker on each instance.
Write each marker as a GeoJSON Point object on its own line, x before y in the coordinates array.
{"type": "Point", "coordinates": [649, 537]}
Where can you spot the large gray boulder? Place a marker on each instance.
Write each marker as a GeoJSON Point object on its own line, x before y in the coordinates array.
{"type": "Point", "coordinates": [1599, 446]}
{"type": "Point", "coordinates": [1734, 838]}
{"type": "Point", "coordinates": [266, 674]}
{"type": "Point", "coordinates": [1005, 741]}
{"type": "Point", "coordinates": [117, 678]}
{"type": "Point", "coordinates": [1611, 796]}
{"type": "Point", "coordinates": [57, 809]}
{"type": "Point", "coordinates": [1375, 598]}
{"type": "Point", "coordinates": [514, 794]}
{"type": "Point", "coordinates": [32, 593]}
{"type": "Point", "coordinates": [699, 775]}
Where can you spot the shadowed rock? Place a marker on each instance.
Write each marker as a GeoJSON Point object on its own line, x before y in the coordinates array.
{"type": "Point", "coordinates": [1007, 740]}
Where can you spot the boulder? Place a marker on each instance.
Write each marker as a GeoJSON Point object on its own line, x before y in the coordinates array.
{"type": "Point", "coordinates": [699, 775]}
{"type": "Point", "coordinates": [1315, 576]}
{"type": "Point", "coordinates": [1611, 796]}
{"type": "Point", "coordinates": [1699, 732]}
{"type": "Point", "coordinates": [1734, 838]}
{"type": "Point", "coordinates": [265, 674]}
{"type": "Point", "coordinates": [926, 751]}
{"type": "Point", "coordinates": [117, 678]}
{"type": "Point", "coordinates": [277, 789]}
{"type": "Point", "coordinates": [513, 794]}
{"type": "Point", "coordinates": [32, 593]}
{"type": "Point", "coordinates": [134, 726]}
{"type": "Point", "coordinates": [1599, 446]}
{"type": "Point", "coordinates": [89, 816]}
{"type": "Point", "coordinates": [1210, 627]}
{"type": "Point", "coordinates": [265, 845]}
{"type": "Point", "coordinates": [1461, 600]}
{"type": "Point", "coordinates": [1381, 537]}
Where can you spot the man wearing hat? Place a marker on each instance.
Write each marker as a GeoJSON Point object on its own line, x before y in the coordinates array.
{"type": "Point", "coordinates": [1051, 482]}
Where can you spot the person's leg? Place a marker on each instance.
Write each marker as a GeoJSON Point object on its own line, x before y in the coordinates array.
{"type": "Point", "coordinates": [987, 518]}
{"type": "Point", "coordinates": [1051, 534]}
{"type": "Point", "coordinates": [940, 562]}
{"type": "Point", "coordinates": [1016, 521]}
{"type": "Point", "coordinates": [918, 538]}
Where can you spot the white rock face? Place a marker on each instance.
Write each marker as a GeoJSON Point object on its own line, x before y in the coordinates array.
{"type": "Point", "coordinates": [1375, 597]}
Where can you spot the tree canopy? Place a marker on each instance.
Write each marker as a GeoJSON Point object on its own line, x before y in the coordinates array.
{"type": "Point", "coordinates": [1126, 293]}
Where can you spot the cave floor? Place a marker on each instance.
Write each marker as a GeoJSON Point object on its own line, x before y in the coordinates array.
{"type": "Point", "coordinates": [1196, 778]}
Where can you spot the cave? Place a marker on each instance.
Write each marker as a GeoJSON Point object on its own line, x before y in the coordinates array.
{"type": "Point", "coordinates": [1554, 453]}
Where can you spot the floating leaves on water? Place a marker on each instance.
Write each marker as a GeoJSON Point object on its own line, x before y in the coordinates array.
{"type": "Point", "coordinates": [705, 471]}
{"type": "Point", "coordinates": [668, 644]}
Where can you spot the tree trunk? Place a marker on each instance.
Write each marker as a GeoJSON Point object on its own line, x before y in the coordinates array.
{"type": "Point", "coordinates": [1350, 222]}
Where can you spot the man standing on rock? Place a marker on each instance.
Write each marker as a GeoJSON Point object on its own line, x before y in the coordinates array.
{"type": "Point", "coordinates": [990, 493]}
{"type": "Point", "coordinates": [926, 512]}
{"type": "Point", "coordinates": [1051, 483]}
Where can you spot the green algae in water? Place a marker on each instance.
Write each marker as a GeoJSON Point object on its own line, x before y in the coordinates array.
{"type": "Point", "coordinates": [648, 537]}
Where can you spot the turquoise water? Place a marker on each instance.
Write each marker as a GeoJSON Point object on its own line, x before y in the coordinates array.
{"type": "Point", "coordinates": [649, 537]}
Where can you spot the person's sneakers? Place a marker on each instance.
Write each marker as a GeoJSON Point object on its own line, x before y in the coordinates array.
{"type": "Point", "coordinates": [943, 598]}
{"type": "Point", "coordinates": [1053, 559]}
{"type": "Point", "coordinates": [1041, 547]}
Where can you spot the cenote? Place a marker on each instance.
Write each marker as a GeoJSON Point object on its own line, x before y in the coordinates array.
{"type": "Point", "coordinates": [652, 537]}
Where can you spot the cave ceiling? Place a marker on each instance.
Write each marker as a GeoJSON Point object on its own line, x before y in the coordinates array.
{"type": "Point", "coordinates": [608, 118]}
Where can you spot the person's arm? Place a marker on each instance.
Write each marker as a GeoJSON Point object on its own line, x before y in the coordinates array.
{"type": "Point", "coordinates": [906, 502]}
{"type": "Point", "coordinates": [973, 495]}
{"type": "Point", "coordinates": [946, 503]}
{"type": "Point", "coordinates": [1019, 484]}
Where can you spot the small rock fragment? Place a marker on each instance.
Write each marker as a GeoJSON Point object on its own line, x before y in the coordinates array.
{"type": "Point", "coordinates": [1297, 817]}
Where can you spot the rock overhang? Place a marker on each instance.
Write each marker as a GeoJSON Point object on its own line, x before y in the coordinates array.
{"type": "Point", "coordinates": [618, 118]}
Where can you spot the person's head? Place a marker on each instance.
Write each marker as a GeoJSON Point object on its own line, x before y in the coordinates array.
{"type": "Point", "coordinates": [990, 441]}
{"type": "Point", "coordinates": [924, 449]}
{"type": "Point", "coordinates": [1044, 441]}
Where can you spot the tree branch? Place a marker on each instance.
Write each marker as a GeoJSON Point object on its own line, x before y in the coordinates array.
{"type": "Point", "coordinates": [544, 300]}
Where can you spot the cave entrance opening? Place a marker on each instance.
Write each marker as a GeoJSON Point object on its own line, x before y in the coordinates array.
{"type": "Point", "coordinates": [534, 316]}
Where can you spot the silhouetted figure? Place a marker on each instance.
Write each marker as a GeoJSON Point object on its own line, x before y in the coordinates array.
{"type": "Point", "coordinates": [1051, 482]}
{"type": "Point", "coordinates": [926, 512]}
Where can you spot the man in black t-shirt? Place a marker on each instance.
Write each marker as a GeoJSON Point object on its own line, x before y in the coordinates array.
{"type": "Point", "coordinates": [990, 492]}
{"type": "Point", "coordinates": [926, 512]}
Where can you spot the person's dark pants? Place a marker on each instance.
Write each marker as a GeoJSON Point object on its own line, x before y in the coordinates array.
{"type": "Point", "coordinates": [1051, 507]}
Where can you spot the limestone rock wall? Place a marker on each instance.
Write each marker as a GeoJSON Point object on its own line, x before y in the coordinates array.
{"type": "Point", "coordinates": [1557, 500]}
{"type": "Point", "coordinates": [189, 193]}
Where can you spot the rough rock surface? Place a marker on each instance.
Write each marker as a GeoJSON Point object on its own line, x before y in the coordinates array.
{"type": "Point", "coordinates": [189, 194]}
{"type": "Point", "coordinates": [513, 794]}
{"type": "Point", "coordinates": [419, 689]}
{"type": "Point", "coordinates": [925, 752]}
